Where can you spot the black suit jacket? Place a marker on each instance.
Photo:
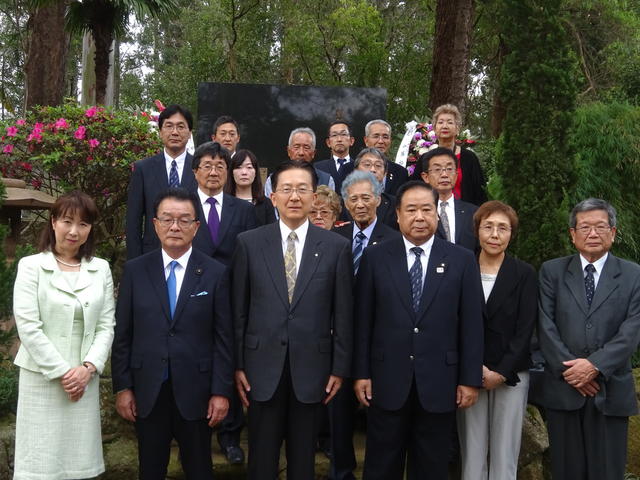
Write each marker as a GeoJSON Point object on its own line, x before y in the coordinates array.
{"type": "Point", "coordinates": [510, 315]}
{"type": "Point", "coordinates": [465, 236]}
{"type": "Point", "coordinates": [149, 178]}
{"type": "Point", "coordinates": [396, 176]}
{"type": "Point", "coordinates": [440, 346]}
{"type": "Point", "coordinates": [473, 181]}
{"type": "Point", "coordinates": [196, 344]}
{"type": "Point", "coordinates": [265, 213]}
{"type": "Point", "coordinates": [381, 233]}
{"type": "Point", "coordinates": [329, 166]}
{"type": "Point", "coordinates": [314, 332]}
{"type": "Point", "coordinates": [237, 216]}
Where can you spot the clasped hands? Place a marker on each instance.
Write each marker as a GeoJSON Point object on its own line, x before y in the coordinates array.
{"type": "Point", "coordinates": [243, 386]}
{"type": "Point", "coordinates": [75, 381]}
{"type": "Point", "coordinates": [581, 375]}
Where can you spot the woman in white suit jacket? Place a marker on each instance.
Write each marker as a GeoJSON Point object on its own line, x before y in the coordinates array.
{"type": "Point", "coordinates": [64, 311]}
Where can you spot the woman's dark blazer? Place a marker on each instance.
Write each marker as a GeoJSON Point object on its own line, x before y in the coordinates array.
{"type": "Point", "coordinates": [474, 184]}
{"type": "Point", "coordinates": [510, 315]}
{"type": "Point", "coordinates": [265, 212]}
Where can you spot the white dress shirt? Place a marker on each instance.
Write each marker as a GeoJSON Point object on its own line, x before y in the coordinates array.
{"type": "Point", "coordinates": [178, 271]}
{"type": "Point", "coordinates": [598, 264]}
{"type": "Point", "coordinates": [451, 216]}
{"type": "Point", "coordinates": [367, 233]}
{"type": "Point", "coordinates": [301, 232]}
{"type": "Point", "coordinates": [206, 206]}
{"type": "Point", "coordinates": [424, 256]}
{"type": "Point", "coordinates": [180, 159]}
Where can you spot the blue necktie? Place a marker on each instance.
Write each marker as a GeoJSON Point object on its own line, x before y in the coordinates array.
{"type": "Point", "coordinates": [357, 250]}
{"type": "Point", "coordinates": [589, 283]}
{"type": "Point", "coordinates": [415, 276]}
{"type": "Point", "coordinates": [171, 287]}
{"type": "Point", "coordinates": [174, 179]}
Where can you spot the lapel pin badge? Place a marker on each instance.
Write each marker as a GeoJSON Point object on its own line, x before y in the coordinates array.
{"type": "Point", "coordinates": [315, 254]}
{"type": "Point", "coordinates": [198, 271]}
{"type": "Point", "coordinates": [440, 268]}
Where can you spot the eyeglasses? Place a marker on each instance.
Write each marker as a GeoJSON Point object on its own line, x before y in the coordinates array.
{"type": "Point", "coordinates": [207, 167]}
{"type": "Point", "coordinates": [167, 222]}
{"type": "Point", "coordinates": [339, 134]}
{"type": "Point", "coordinates": [300, 190]}
{"type": "Point", "coordinates": [383, 136]}
{"type": "Point", "coordinates": [586, 229]}
{"type": "Point", "coordinates": [500, 229]}
{"type": "Point", "coordinates": [376, 165]}
{"type": "Point", "coordinates": [180, 127]}
{"type": "Point", "coordinates": [439, 170]}
{"type": "Point", "coordinates": [322, 213]}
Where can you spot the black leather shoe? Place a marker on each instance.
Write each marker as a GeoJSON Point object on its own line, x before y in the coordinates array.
{"type": "Point", "coordinates": [234, 454]}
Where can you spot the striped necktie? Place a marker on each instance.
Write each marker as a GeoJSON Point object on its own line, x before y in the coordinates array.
{"type": "Point", "coordinates": [415, 276]}
{"type": "Point", "coordinates": [290, 264]}
{"type": "Point", "coordinates": [358, 243]}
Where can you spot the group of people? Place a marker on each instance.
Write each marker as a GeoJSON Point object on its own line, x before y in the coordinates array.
{"type": "Point", "coordinates": [339, 282]}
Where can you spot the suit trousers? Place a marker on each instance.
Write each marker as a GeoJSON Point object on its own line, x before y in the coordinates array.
{"type": "Point", "coordinates": [490, 432]}
{"type": "Point", "coordinates": [231, 427]}
{"type": "Point", "coordinates": [587, 445]}
{"type": "Point", "coordinates": [390, 434]}
{"type": "Point", "coordinates": [283, 417]}
{"type": "Point", "coordinates": [342, 413]}
{"type": "Point", "coordinates": [156, 431]}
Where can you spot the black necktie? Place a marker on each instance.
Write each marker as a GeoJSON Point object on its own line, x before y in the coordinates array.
{"type": "Point", "coordinates": [415, 276]}
{"type": "Point", "coordinates": [589, 282]}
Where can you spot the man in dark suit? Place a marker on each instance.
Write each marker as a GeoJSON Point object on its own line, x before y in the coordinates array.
{"type": "Point", "coordinates": [377, 134]}
{"type": "Point", "coordinates": [361, 193]}
{"type": "Point", "coordinates": [373, 160]}
{"type": "Point", "coordinates": [292, 309]}
{"type": "Point", "coordinates": [418, 341]}
{"type": "Point", "coordinates": [172, 357]}
{"type": "Point", "coordinates": [589, 327]}
{"type": "Point", "coordinates": [171, 168]}
{"type": "Point", "coordinates": [224, 217]}
{"type": "Point", "coordinates": [302, 147]}
{"type": "Point", "coordinates": [339, 140]}
{"type": "Point", "coordinates": [456, 217]}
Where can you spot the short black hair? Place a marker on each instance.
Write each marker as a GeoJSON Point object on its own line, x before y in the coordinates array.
{"type": "Point", "coordinates": [221, 120]}
{"type": "Point", "coordinates": [177, 193]}
{"type": "Point", "coordinates": [172, 110]}
{"type": "Point", "coordinates": [339, 122]}
{"type": "Point", "coordinates": [405, 187]}
{"type": "Point", "coordinates": [290, 165]}
{"type": "Point", "coordinates": [425, 158]}
{"type": "Point", "coordinates": [213, 149]}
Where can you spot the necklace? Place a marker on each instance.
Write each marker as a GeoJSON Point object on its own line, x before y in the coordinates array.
{"type": "Point", "coordinates": [67, 264]}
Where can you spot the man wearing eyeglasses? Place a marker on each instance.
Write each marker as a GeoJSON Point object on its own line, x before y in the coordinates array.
{"type": "Point", "coordinates": [377, 134]}
{"type": "Point", "coordinates": [154, 175]}
{"type": "Point", "coordinates": [224, 217]}
{"type": "Point", "coordinates": [172, 357]}
{"type": "Point", "coordinates": [339, 141]}
{"type": "Point", "coordinates": [292, 313]}
{"type": "Point", "coordinates": [589, 327]}
{"type": "Point", "coordinates": [440, 170]}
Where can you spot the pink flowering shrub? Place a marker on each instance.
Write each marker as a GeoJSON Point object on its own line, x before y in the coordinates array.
{"type": "Point", "coordinates": [57, 149]}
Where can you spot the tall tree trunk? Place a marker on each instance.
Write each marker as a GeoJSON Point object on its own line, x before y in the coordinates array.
{"type": "Point", "coordinates": [499, 110]}
{"type": "Point", "coordinates": [103, 38]}
{"type": "Point", "coordinates": [454, 23]}
{"type": "Point", "coordinates": [47, 48]}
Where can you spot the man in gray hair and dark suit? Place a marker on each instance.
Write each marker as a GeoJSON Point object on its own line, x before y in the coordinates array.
{"type": "Point", "coordinates": [589, 326]}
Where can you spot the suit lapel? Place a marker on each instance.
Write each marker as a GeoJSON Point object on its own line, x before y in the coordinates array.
{"type": "Point", "coordinates": [377, 235]}
{"type": "Point", "coordinates": [397, 263]}
{"type": "Point", "coordinates": [311, 256]}
{"type": "Point", "coordinates": [155, 272]}
{"type": "Point", "coordinates": [188, 179]}
{"type": "Point", "coordinates": [575, 282]}
{"type": "Point", "coordinates": [506, 282]}
{"type": "Point", "coordinates": [274, 260]}
{"type": "Point", "coordinates": [607, 283]}
{"type": "Point", "coordinates": [191, 277]}
{"type": "Point", "coordinates": [228, 211]}
{"type": "Point", "coordinates": [60, 282]}
{"type": "Point", "coordinates": [160, 172]}
{"type": "Point", "coordinates": [436, 270]}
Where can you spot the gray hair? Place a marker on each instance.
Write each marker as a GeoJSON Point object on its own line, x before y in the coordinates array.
{"type": "Point", "coordinates": [306, 130]}
{"type": "Point", "coordinates": [367, 127]}
{"type": "Point", "coordinates": [371, 151]}
{"type": "Point", "coordinates": [591, 204]}
{"type": "Point", "coordinates": [358, 176]}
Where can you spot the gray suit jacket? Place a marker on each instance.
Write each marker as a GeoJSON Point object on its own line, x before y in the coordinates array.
{"type": "Point", "coordinates": [314, 332]}
{"type": "Point", "coordinates": [607, 333]}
